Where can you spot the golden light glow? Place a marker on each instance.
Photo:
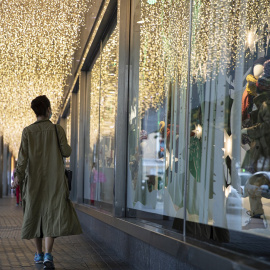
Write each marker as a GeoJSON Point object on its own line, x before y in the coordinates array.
{"type": "Point", "coordinates": [37, 43]}
{"type": "Point", "coordinates": [38, 40]}
{"type": "Point", "coordinates": [198, 131]}
{"type": "Point", "coordinates": [164, 28]}
{"type": "Point", "coordinates": [104, 90]}
{"type": "Point", "coordinates": [227, 145]}
{"type": "Point", "coordinates": [220, 30]}
{"type": "Point", "coordinates": [252, 39]}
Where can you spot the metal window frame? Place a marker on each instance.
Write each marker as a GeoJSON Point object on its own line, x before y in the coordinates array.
{"type": "Point", "coordinates": [119, 205]}
{"type": "Point", "coordinates": [121, 130]}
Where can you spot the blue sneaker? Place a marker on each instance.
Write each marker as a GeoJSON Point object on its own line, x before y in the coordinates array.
{"type": "Point", "coordinates": [39, 258]}
{"type": "Point", "coordinates": [48, 261]}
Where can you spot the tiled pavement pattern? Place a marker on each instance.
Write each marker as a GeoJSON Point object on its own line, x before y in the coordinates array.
{"type": "Point", "coordinates": [70, 252]}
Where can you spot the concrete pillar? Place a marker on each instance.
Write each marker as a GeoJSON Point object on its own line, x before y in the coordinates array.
{"type": "Point", "coordinates": [5, 170]}
{"type": "Point", "coordinates": [9, 157]}
{"type": "Point", "coordinates": [1, 166]}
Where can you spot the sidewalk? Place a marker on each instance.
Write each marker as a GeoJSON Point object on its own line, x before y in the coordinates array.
{"type": "Point", "coordinates": [70, 252]}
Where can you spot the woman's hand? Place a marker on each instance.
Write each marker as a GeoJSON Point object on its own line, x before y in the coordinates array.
{"type": "Point", "coordinates": [16, 181]}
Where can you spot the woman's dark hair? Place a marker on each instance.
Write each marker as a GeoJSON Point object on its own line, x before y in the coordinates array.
{"type": "Point", "coordinates": [40, 105]}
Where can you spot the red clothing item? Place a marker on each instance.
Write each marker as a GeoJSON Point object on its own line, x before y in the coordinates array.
{"type": "Point", "coordinates": [18, 194]}
{"type": "Point", "coordinates": [245, 105]}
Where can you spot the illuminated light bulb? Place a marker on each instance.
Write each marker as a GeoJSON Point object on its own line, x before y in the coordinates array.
{"type": "Point", "coordinates": [228, 190]}
{"type": "Point", "coordinates": [198, 131]}
{"type": "Point", "coordinates": [151, 2]}
{"type": "Point", "coordinates": [227, 145]}
{"type": "Point", "coordinates": [252, 39]}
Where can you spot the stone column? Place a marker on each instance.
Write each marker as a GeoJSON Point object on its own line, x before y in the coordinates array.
{"type": "Point", "coordinates": [5, 170]}
{"type": "Point", "coordinates": [1, 166]}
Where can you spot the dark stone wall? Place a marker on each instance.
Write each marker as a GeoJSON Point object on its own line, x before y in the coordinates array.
{"type": "Point", "coordinates": [137, 253]}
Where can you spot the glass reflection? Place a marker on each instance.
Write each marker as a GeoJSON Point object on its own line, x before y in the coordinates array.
{"type": "Point", "coordinates": [157, 107]}
{"type": "Point", "coordinates": [228, 177]}
{"type": "Point", "coordinates": [255, 144]}
{"type": "Point", "coordinates": [94, 129]}
{"type": "Point", "coordinates": [103, 105]}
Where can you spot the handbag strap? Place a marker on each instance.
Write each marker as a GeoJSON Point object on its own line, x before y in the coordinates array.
{"type": "Point", "coordinates": [58, 142]}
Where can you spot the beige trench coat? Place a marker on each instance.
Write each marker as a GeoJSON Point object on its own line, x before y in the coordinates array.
{"type": "Point", "coordinates": [48, 212]}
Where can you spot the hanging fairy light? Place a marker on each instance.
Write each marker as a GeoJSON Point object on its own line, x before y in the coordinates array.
{"type": "Point", "coordinates": [37, 44]}
{"type": "Point", "coordinates": [198, 131]}
{"type": "Point", "coordinates": [104, 86]}
{"type": "Point", "coordinates": [227, 145]}
{"type": "Point", "coordinates": [218, 35]}
{"type": "Point", "coordinates": [251, 39]}
{"type": "Point", "coordinates": [164, 28]}
{"type": "Point", "coordinates": [151, 2]}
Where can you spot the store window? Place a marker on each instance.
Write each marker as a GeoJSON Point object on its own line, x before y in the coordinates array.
{"type": "Point", "coordinates": [102, 84]}
{"type": "Point", "coordinates": [226, 105]}
{"type": "Point", "coordinates": [157, 109]}
{"type": "Point", "coordinates": [228, 182]}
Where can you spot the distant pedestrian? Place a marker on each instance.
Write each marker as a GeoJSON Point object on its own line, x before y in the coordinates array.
{"type": "Point", "coordinates": [17, 189]}
{"type": "Point", "coordinates": [48, 212]}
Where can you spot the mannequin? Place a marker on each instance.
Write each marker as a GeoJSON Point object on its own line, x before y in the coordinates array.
{"type": "Point", "coordinates": [248, 106]}
{"type": "Point", "coordinates": [250, 91]}
{"type": "Point", "coordinates": [259, 135]}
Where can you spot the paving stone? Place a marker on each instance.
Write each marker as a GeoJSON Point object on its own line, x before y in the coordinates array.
{"type": "Point", "coordinates": [70, 252]}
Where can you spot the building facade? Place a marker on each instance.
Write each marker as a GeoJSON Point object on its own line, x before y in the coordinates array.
{"type": "Point", "coordinates": [167, 113]}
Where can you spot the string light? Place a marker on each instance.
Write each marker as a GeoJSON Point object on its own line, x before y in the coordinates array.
{"type": "Point", "coordinates": [198, 131]}
{"type": "Point", "coordinates": [227, 145]}
{"type": "Point", "coordinates": [151, 2]}
{"type": "Point", "coordinates": [37, 44]}
{"type": "Point", "coordinates": [164, 29]}
{"type": "Point", "coordinates": [251, 39]}
{"type": "Point", "coordinates": [104, 86]}
{"type": "Point", "coordinates": [220, 29]}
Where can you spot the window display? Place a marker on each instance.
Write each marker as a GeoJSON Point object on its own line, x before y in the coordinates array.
{"type": "Point", "coordinates": [103, 86]}
{"type": "Point", "coordinates": [158, 82]}
{"type": "Point", "coordinates": [228, 161]}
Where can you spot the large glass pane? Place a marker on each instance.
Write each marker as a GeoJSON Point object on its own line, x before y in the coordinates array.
{"type": "Point", "coordinates": [157, 107]}
{"type": "Point", "coordinates": [103, 87]}
{"type": "Point", "coordinates": [94, 129]}
{"type": "Point", "coordinates": [229, 183]}
{"type": "Point", "coordinates": [108, 108]}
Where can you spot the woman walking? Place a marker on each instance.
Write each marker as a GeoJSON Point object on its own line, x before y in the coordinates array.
{"type": "Point", "coordinates": [48, 212]}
